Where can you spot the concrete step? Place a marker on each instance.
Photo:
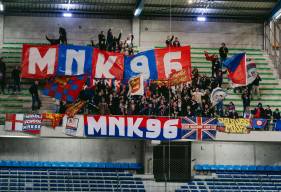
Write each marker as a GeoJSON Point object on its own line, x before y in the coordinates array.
{"type": "Point", "coordinates": [276, 98]}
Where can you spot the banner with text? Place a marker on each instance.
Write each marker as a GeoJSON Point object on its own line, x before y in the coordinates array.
{"type": "Point", "coordinates": [228, 125]}
{"type": "Point", "coordinates": [43, 61]}
{"type": "Point", "coordinates": [137, 127]}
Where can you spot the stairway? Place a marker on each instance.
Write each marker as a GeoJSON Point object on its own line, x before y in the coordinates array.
{"type": "Point", "coordinates": [270, 88]}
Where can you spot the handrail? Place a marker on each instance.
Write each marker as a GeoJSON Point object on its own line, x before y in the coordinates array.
{"type": "Point", "coordinates": [272, 44]}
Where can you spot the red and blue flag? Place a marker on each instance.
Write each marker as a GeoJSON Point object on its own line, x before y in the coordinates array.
{"type": "Point", "coordinates": [237, 69]}
{"type": "Point", "coordinates": [258, 123]}
{"type": "Point", "coordinates": [65, 88]}
{"type": "Point", "coordinates": [199, 128]}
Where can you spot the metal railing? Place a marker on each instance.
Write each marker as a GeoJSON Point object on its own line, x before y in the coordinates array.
{"type": "Point", "coordinates": [272, 37]}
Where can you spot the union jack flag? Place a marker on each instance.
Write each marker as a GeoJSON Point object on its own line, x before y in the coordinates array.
{"type": "Point", "coordinates": [199, 128]}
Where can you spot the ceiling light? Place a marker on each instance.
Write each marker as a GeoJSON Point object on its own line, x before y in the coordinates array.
{"type": "Point", "coordinates": [190, 1]}
{"type": "Point", "coordinates": [201, 18]}
{"type": "Point", "coordinates": [67, 14]}
{"type": "Point", "coordinates": [277, 15]}
{"type": "Point", "coordinates": [137, 12]}
{"type": "Point", "coordinates": [1, 7]}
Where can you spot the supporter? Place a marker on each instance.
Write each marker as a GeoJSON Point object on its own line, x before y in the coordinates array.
{"type": "Point", "coordinates": [62, 38]}
{"type": "Point", "coordinates": [36, 102]}
{"type": "Point", "coordinates": [207, 111]}
{"type": "Point", "coordinates": [103, 107]}
{"type": "Point", "coordinates": [223, 53]}
{"type": "Point", "coordinates": [169, 41]}
{"type": "Point", "coordinates": [109, 40]}
{"type": "Point", "coordinates": [247, 113]}
{"type": "Point", "coordinates": [219, 106]}
{"type": "Point", "coordinates": [2, 75]}
{"type": "Point", "coordinates": [129, 45]}
{"type": "Point", "coordinates": [176, 42]}
{"type": "Point", "coordinates": [93, 44]}
{"type": "Point", "coordinates": [231, 112]}
{"type": "Point", "coordinates": [198, 96]}
{"type": "Point", "coordinates": [219, 77]}
{"type": "Point", "coordinates": [116, 42]}
{"type": "Point", "coordinates": [246, 100]}
{"type": "Point", "coordinates": [259, 111]}
{"type": "Point", "coordinates": [276, 115]}
{"type": "Point", "coordinates": [255, 85]}
{"type": "Point", "coordinates": [62, 108]}
{"type": "Point", "coordinates": [102, 41]}
{"type": "Point", "coordinates": [16, 79]}
{"type": "Point", "coordinates": [215, 62]}
{"type": "Point", "coordinates": [268, 116]}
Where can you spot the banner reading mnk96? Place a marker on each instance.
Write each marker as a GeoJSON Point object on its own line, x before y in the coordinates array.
{"type": "Point", "coordinates": [43, 61]}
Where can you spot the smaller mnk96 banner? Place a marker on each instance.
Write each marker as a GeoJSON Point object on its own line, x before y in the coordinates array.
{"type": "Point", "coordinates": [43, 61]}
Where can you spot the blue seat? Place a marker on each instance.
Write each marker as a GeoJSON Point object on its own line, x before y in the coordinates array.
{"type": "Point", "coordinates": [261, 168]}
{"type": "Point", "coordinates": [198, 167]}
{"type": "Point", "coordinates": [206, 167]}
{"type": "Point", "coordinates": [237, 168]}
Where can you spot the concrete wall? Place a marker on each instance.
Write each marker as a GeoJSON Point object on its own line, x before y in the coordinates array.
{"type": "Point", "coordinates": [79, 30]}
{"type": "Point", "coordinates": [202, 34]}
{"type": "Point", "coordinates": [90, 150]}
{"type": "Point", "coordinates": [148, 33]}
{"type": "Point", "coordinates": [236, 153]}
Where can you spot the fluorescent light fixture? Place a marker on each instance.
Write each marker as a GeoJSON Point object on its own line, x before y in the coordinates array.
{"type": "Point", "coordinates": [1, 7]}
{"type": "Point", "coordinates": [277, 15]}
{"type": "Point", "coordinates": [201, 18]}
{"type": "Point", "coordinates": [137, 12]}
{"type": "Point", "coordinates": [67, 14]}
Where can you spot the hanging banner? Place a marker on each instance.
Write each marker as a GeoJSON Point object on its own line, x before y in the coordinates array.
{"type": "Point", "coordinates": [41, 62]}
{"type": "Point", "coordinates": [52, 119]}
{"type": "Point", "coordinates": [137, 127]}
{"type": "Point", "coordinates": [71, 126]}
{"type": "Point", "coordinates": [74, 60]}
{"type": "Point", "coordinates": [199, 128]}
{"type": "Point", "coordinates": [143, 64]}
{"type": "Point", "coordinates": [172, 59]}
{"type": "Point", "coordinates": [32, 123]}
{"type": "Point", "coordinates": [28, 123]}
{"type": "Point", "coordinates": [108, 65]}
{"type": "Point", "coordinates": [240, 126]}
{"type": "Point", "coordinates": [136, 86]}
{"type": "Point", "coordinates": [179, 77]}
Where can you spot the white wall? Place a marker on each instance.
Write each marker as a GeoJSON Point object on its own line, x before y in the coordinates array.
{"type": "Point", "coordinates": [202, 34]}
{"type": "Point", "coordinates": [60, 149]}
{"type": "Point", "coordinates": [79, 30]}
{"type": "Point", "coordinates": [149, 33]}
{"type": "Point", "coordinates": [236, 153]}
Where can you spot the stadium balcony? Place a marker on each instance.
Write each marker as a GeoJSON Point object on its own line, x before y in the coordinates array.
{"type": "Point", "coordinates": [269, 86]}
{"type": "Point", "coordinates": [68, 176]}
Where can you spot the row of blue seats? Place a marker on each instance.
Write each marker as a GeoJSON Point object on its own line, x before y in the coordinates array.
{"type": "Point", "coordinates": [17, 189]}
{"type": "Point", "coordinates": [206, 167]}
{"type": "Point", "coordinates": [127, 166]}
{"type": "Point", "coordinates": [67, 185]}
{"type": "Point", "coordinates": [68, 181]}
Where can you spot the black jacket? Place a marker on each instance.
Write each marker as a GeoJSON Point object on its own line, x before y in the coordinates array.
{"type": "Point", "coordinates": [223, 52]}
{"type": "Point", "coordinates": [33, 90]}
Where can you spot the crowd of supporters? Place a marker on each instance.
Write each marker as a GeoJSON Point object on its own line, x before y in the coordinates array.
{"type": "Point", "coordinates": [110, 42]}
{"type": "Point", "coordinates": [191, 99]}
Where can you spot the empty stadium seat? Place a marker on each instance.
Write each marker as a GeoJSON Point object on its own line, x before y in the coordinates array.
{"type": "Point", "coordinates": [68, 176]}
